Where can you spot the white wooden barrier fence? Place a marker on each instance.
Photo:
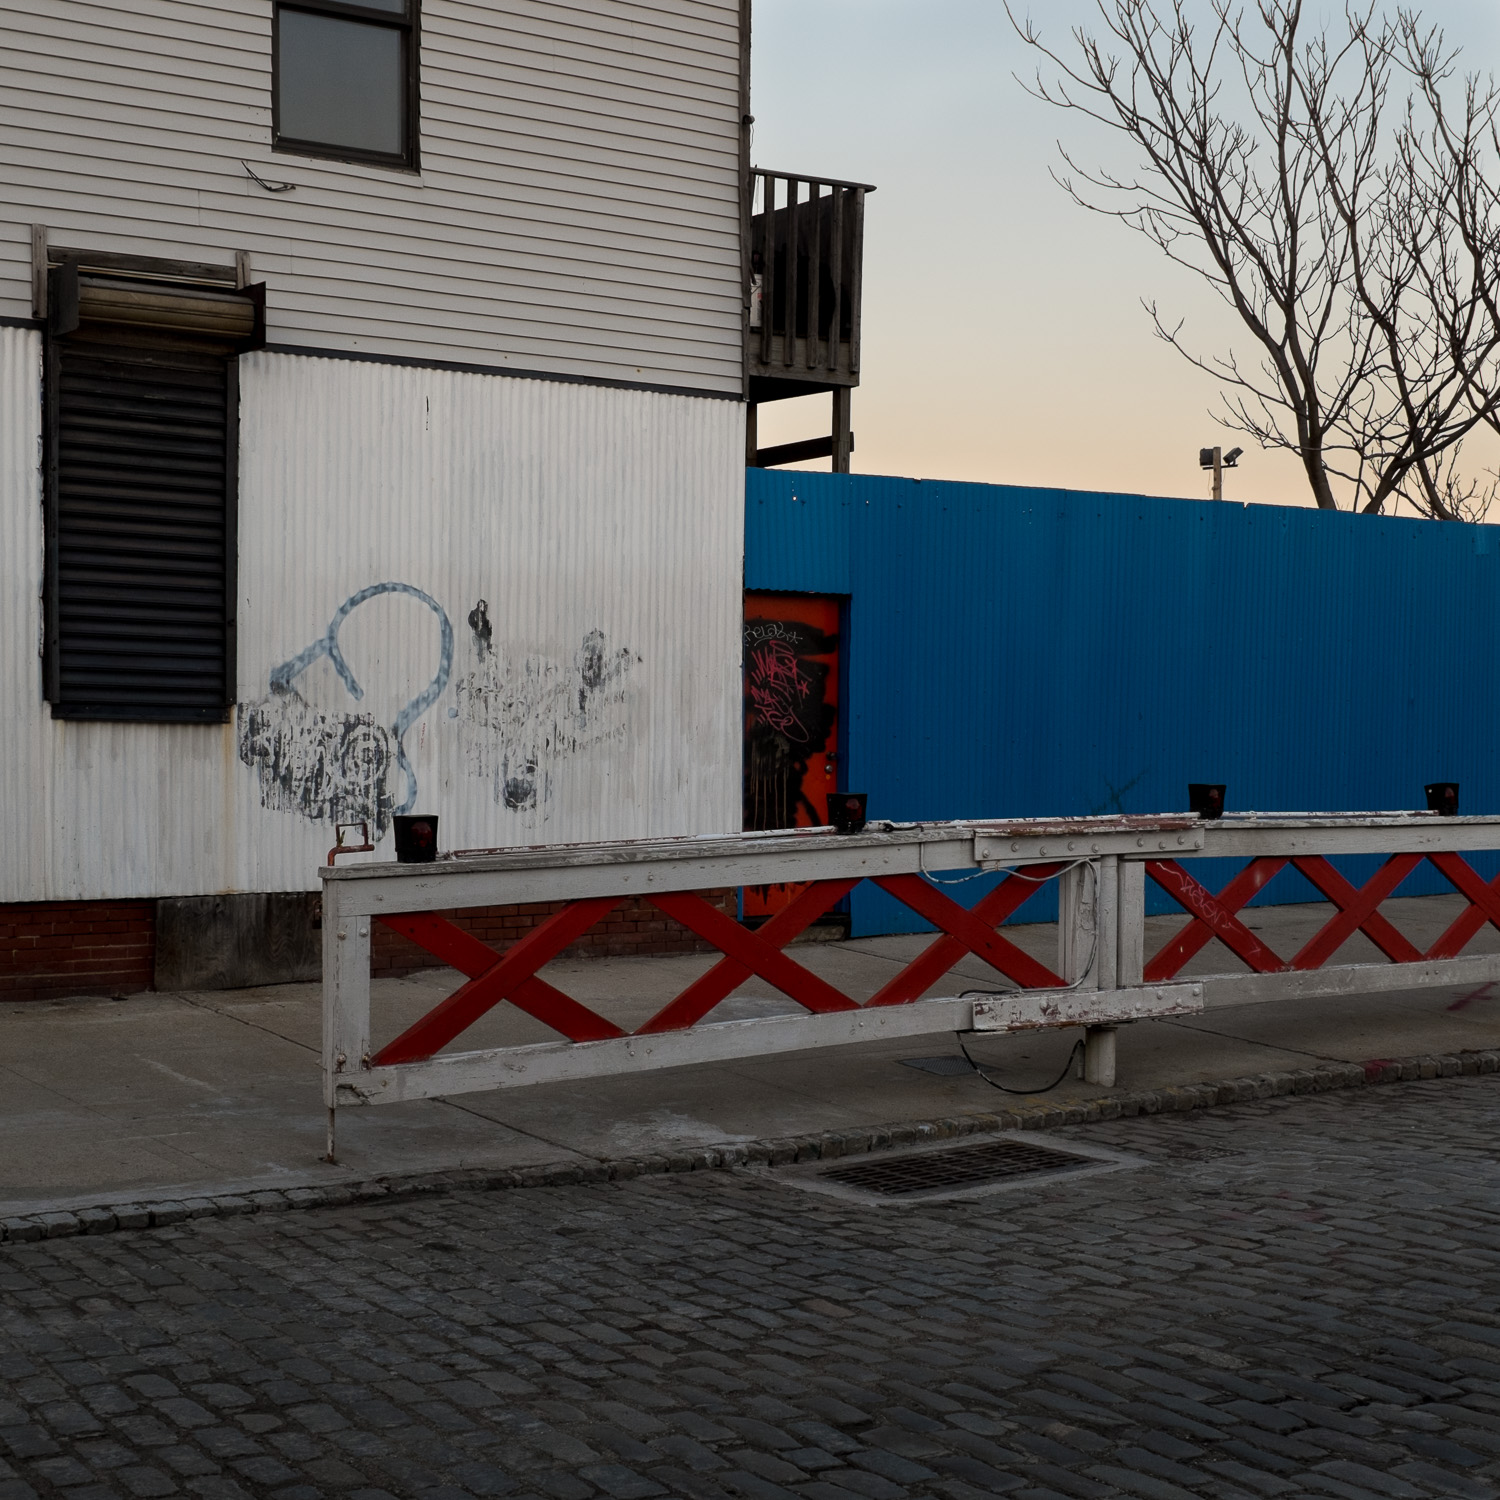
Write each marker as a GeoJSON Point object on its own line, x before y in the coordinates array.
{"type": "Point", "coordinates": [1103, 975]}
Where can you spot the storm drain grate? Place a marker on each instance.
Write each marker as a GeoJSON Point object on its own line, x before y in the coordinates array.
{"type": "Point", "coordinates": [963, 1166]}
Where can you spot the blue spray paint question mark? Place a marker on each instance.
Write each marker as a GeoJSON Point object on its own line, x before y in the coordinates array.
{"type": "Point", "coordinates": [327, 645]}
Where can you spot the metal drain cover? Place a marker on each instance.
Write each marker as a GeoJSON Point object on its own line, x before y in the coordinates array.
{"type": "Point", "coordinates": [961, 1167]}
{"type": "Point", "coordinates": [926, 1174]}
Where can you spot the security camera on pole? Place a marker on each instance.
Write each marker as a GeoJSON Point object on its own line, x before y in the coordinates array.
{"type": "Point", "coordinates": [1217, 460]}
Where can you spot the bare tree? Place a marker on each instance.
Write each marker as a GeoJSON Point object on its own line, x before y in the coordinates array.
{"type": "Point", "coordinates": [1443, 209]}
{"type": "Point", "coordinates": [1361, 253]}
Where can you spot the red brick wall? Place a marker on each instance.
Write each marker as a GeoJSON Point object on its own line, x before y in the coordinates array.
{"type": "Point", "coordinates": [635, 926]}
{"type": "Point", "coordinates": [54, 948]}
{"type": "Point", "coordinates": [57, 948]}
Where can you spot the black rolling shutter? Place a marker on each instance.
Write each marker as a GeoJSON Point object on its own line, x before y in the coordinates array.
{"type": "Point", "coordinates": [141, 530]}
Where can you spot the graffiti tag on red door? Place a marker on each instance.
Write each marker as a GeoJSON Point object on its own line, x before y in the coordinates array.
{"type": "Point", "coordinates": [790, 722]}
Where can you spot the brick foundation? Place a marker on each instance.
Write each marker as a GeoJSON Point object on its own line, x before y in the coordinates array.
{"type": "Point", "coordinates": [633, 927]}
{"type": "Point", "coordinates": [50, 949]}
{"type": "Point", "coordinates": [56, 948]}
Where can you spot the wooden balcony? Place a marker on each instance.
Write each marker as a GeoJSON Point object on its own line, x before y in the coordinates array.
{"type": "Point", "coordinates": [806, 246]}
{"type": "Point", "coordinates": [806, 239]}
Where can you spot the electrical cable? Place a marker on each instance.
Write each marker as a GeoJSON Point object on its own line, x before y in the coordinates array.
{"type": "Point", "coordinates": [1072, 864]}
{"type": "Point", "coordinates": [1067, 1068]}
{"type": "Point", "coordinates": [1088, 965]}
{"type": "Point", "coordinates": [1084, 972]}
{"type": "Point", "coordinates": [1008, 869]}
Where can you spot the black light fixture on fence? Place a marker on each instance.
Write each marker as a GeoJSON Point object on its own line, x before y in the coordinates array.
{"type": "Point", "coordinates": [1206, 798]}
{"type": "Point", "coordinates": [846, 811]}
{"type": "Point", "coordinates": [416, 837]}
{"type": "Point", "coordinates": [1442, 797]}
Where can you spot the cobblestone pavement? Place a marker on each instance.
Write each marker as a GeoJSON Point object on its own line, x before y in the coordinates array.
{"type": "Point", "coordinates": [1296, 1297]}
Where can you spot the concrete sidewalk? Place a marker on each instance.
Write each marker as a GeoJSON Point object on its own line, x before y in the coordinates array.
{"type": "Point", "coordinates": [190, 1094]}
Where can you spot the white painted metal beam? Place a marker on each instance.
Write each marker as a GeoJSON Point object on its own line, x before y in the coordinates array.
{"type": "Point", "coordinates": [1413, 833]}
{"type": "Point", "coordinates": [645, 869]}
{"type": "Point", "coordinates": [1035, 1010]}
{"type": "Point", "coordinates": [1348, 979]}
{"type": "Point", "coordinates": [725, 1041]}
{"type": "Point", "coordinates": [996, 850]}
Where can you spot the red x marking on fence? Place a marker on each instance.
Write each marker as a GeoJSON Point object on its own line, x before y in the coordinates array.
{"type": "Point", "coordinates": [970, 931]}
{"type": "Point", "coordinates": [493, 979]}
{"type": "Point", "coordinates": [513, 976]}
{"type": "Point", "coordinates": [1357, 910]}
{"type": "Point", "coordinates": [967, 931]}
{"type": "Point", "coordinates": [728, 974]}
{"type": "Point", "coordinates": [753, 952]}
{"type": "Point", "coordinates": [1213, 917]}
{"type": "Point", "coordinates": [1484, 904]}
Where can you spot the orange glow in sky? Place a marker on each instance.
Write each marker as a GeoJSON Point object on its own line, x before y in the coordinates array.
{"type": "Point", "coordinates": [1004, 335]}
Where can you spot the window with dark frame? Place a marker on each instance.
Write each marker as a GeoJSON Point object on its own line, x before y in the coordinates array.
{"type": "Point", "coordinates": [344, 81]}
{"type": "Point", "coordinates": [141, 460]}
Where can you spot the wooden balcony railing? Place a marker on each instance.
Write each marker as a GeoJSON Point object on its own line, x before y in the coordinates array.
{"type": "Point", "coordinates": [806, 248]}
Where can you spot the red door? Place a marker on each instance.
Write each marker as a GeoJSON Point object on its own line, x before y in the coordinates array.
{"type": "Point", "coordinates": [791, 720]}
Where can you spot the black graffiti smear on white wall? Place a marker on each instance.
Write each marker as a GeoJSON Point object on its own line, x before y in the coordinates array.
{"type": "Point", "coordinates": [521, 714]}
{"type": "Point", "coordinates": [332, 766]}
{"type": "Point", "coordinates": [479, 624]}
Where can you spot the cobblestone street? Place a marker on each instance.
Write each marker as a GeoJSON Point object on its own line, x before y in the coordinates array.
{"type": "Point", "coordinates": [1292, 1297]}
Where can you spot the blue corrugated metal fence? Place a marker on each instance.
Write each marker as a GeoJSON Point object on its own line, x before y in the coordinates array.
{"type": "Point", "coordinates": [1025, 652]}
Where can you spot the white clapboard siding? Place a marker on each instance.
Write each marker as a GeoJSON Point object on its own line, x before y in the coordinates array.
{"type": "Point", "coordinates": [577, 209]}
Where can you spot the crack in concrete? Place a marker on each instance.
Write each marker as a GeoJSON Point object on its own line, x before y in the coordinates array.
{"type": "Point", "coordinates": [213, 1010]}
{"type": "Point", "coordinates": [1187, 1024]}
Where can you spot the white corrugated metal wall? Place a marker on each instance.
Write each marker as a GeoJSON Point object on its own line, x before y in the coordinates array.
{"type": "Point", "coordinates": [595, 695]}
{"type": "Point", "coordinates": [577, 208]}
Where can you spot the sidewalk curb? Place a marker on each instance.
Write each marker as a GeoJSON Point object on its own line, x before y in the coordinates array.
{"type": "Point", "coordinates": [779, 1151]}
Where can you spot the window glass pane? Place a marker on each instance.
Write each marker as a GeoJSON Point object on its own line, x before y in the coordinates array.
{"type": "Point", "coordinates": [396, 7]}
{"type": "Point", "coordinates": [341, 83]}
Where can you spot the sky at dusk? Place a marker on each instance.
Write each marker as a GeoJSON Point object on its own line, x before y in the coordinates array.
{"type": "Point", "coordinates": [1004, 337]}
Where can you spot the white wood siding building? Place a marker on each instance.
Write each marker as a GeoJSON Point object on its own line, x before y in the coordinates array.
{"type": "Point", "coordinates": [480, 523]}
{"type": "Point", "coordinates": [576, 209]}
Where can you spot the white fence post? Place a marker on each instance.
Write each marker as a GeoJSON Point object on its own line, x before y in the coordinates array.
{"type": "Point", "coordinates": [1127, 941]}
{"type": "Point", "coordinates": [346, 988]}
{"type": "Point", "coordinates": [1078, 925]}
{"type": "Point", "coordinates": [1099, 1055]}
{"type": "Point", "coordinates": [1108, 904]}
{"type": "Point", "coordinates": [1131, 945]}
{"type": "Point", "coordinates": [1099, 1041]}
